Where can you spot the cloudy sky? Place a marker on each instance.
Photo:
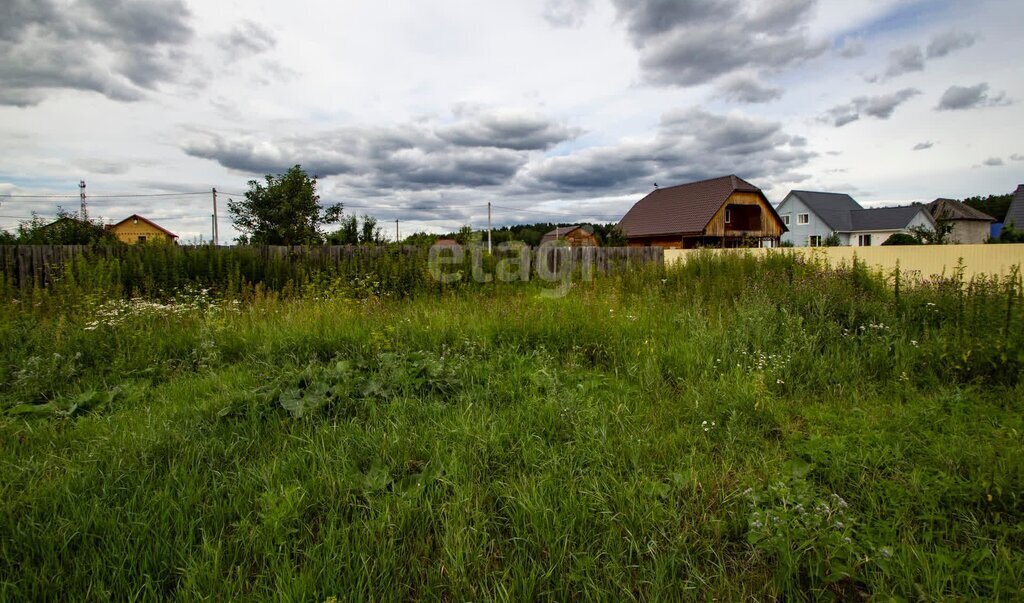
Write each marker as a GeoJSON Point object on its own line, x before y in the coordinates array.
{"type": "Point", "coordinates": [557, 110]}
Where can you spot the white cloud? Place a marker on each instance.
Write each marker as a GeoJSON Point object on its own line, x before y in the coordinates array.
{"type": "Point", "coordinates": [572, 106]}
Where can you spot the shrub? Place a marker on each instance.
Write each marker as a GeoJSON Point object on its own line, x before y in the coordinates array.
{"type": "Point", "coordinates": [902, 238]}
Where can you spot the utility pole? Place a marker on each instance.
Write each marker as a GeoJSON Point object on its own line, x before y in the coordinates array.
{"type": "Point", "coordinates": [216, 235]}
{"type": "Point", "coordinates": [397, 238]}
{"type": "Point", "coordinates": [488, 228]}
{"type": "Point", "coordinates": [81, 195]}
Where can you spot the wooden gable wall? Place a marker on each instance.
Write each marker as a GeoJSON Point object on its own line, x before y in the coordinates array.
{"type": "Point", "coordinates": [771, 226]}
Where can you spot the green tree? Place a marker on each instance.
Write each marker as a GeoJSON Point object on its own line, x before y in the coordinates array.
{"type": "Point", "coordinates": [466, 235]}
{"type": "Point", "coordinates": [67, 229]}
{"type": "Point", "coordinates": [531, 234]}
{"type": "Point", "coordinates": [354, 233]}
{"type": "Point", "coordinates": [937, 236]}
{"type": "Point", "coordinates": [283, 210]}
{"type": "Point", "coordinates": [422, 239]}
{"type": "Point", "coordinates": [902, 238]}
{"type": "Point", "coordinates": [371, 234]}
{"type": "Point", "coordinates": [993, 205]}
{"type": "Point", "coordinates": [609, 235]}
{"type": "Point", "coordinates": [615, 237]}
{"type": "Point", "coordinates": [348, 234]}
{"type": "Point", "coordinates": [1009, 234]}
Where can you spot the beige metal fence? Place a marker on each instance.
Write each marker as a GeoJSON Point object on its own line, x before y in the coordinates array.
{"type": "Point", "coordinates": [921, 261]}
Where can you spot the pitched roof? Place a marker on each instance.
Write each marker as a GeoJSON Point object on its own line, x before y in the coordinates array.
{"type": "Point", "coordinates": [1016, 212]}
{"type": "Point", "coordinates": [72, 220]}
{"type": "Point", "coordinates": [682, 209]}
{"type": "Point", "coordinates": [950, 209]}
{"type": "Point", "coordinates": [885, 218]}
{"type": "Point", "coordinates": [833, 208]}
{"type": "Point", "coordinates": [562, 231]}
{"type": "Point", "coordinates": [150, 222]}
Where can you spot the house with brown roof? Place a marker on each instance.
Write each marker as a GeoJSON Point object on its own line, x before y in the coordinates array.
{"type": "Point", "coordinates": [720, 212]}
{"type": "Point", "coordinates": [970, 226]}
{"type": "Point", "coordinates": [136, 229]}
{"type": "Point", "coordinates": [579, 235]}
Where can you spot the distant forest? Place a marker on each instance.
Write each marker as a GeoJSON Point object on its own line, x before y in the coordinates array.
{"type": "Point", "coordinates": [530, 234]}
{"type": "Point", "coordinates": [993, 205]}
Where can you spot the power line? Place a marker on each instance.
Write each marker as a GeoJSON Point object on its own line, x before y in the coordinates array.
{"type": "Point", "coordinates": [351, 205]}
{"type": "Point", "coordinates": [131, 196]}
{"type": "Point", "coordinates": [553, 213]}
{"type": "Point", "coordinates": [102, 218]}
{"type": "Point", "coordinates": [479, 206]}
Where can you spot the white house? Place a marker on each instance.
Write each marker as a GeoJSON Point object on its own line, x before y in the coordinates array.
{"type": "Point", "coordinates": [812, 217]}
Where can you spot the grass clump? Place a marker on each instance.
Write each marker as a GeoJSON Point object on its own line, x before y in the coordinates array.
{"type": "Point", "coordinates": [730, 429]}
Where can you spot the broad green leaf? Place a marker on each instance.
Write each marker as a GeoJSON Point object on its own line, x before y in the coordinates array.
{"type": "Point", "coordinates": [33, 409]}
{"type": "Point", "coordinates": [797, 468]}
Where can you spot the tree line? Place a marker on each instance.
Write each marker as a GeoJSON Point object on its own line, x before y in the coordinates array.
{"type": "Point", "coordinates": [285, 209]}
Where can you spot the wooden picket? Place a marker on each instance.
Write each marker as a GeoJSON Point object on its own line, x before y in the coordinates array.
{"type": "Point", "coordinates": [38, 265]}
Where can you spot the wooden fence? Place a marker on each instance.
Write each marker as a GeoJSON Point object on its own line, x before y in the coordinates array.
{"type": "Point", "coordinates": [38, 265]}
{"type": "Point", "coordinates": [593, 260]}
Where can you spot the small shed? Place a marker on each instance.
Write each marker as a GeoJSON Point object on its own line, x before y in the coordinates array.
{"type": "Point", "coordinates": [579, 235]}
{"type": "Point", "coordinates": [970, 226]}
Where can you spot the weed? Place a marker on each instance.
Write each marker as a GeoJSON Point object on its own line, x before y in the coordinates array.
{"type": "Point", "coordinates": [227, 426]}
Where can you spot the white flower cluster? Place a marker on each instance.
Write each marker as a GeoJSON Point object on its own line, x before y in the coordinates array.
{"type": "Point", "coordinates": [760, 361]}
{"type": "Point", "coordinates": [115, 312]}
{"type": "Point", "coordinates": [878, 328]}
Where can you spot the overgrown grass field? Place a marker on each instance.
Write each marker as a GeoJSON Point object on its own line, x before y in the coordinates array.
{"type": "Point", "coordinates": [732, 429]}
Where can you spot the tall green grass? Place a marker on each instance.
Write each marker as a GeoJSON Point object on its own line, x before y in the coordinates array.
{"type": "Point", "coordinates": [729, 429]}
{"type": "Point", "coordinates": [159, 270]}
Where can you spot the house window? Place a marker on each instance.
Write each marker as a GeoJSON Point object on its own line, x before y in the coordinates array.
{"type": "Point", "coordinates": [728, 216]}
{"type": "Point", "coordinates": [142, 238]}
{"type": "Point", "coordinates": [785, 219]}
{"type": "Point", "coordinates": [814, 240]}
{"type": "Point", "coordinates": [803, 219]}
{"type": "Point", "coordinates": [864, 240]}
